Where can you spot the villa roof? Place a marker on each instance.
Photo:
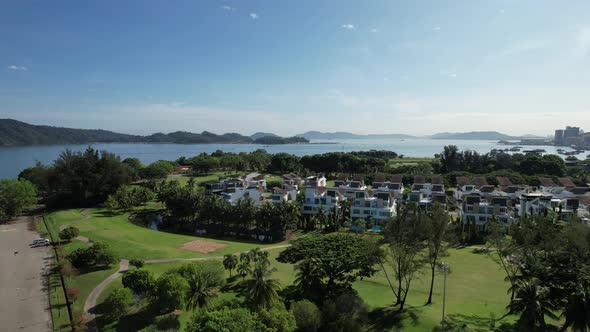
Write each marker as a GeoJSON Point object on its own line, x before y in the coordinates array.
{"type": "Point", "coordinates": [419, 179]}
{"type": "Point", "coordinates": [480, 181]}
{"type": "Point", "coordinates": [289, 187]}
{"type": "Point", "coordinates": [463, 181]}
{"type": "Point", "coordinates": [397, 178]}
{"type": "Point", "coordinates": [436, 180]}
{"type": "Point", "coordinates": [359, 177]}
{"type": "Point", "coordinates": [279, 190]}
{"type": "Point", "coordinates": [320, 190]}
{"type": "Point", "coordinates": [290, 176]}
{"type": "Point", "coordinates": [567, 182]}
{"type": "Point", "coordinates": [547, 182]}
{"type": "Point", "coordinates": [580, 190]}
{"type": "Point", "coordinates": [487, 189]}
{"type": "Point", "coordinates": [379, 178]}
{"type": "Point", "coordinates": [504, 181]}
{"type": "Point", "coordinates": [512, 189]}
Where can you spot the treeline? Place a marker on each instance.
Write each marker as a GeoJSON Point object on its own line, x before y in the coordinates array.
{"type": "Point", "coordinates": [548, 267]}
{"type": "Point", "coordinates": [79, 178]}
{"type": "Point", "coordinates": [188, 210]}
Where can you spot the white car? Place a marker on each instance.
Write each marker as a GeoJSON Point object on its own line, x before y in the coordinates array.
{"type": "Point", "coordinates": [40, 242]}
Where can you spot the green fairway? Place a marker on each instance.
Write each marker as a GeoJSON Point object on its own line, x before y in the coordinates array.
{"type": "Point", "coordinates": [133, 241]}
{"type": "Point", "coordinates": [475, 293]}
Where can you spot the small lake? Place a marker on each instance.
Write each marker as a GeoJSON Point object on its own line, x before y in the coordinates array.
{"type": "Point", "coordinates": [15, 159]}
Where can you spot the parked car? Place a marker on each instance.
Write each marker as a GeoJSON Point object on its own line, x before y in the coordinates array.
{"type": "Point", "coordinates": [40, 243]}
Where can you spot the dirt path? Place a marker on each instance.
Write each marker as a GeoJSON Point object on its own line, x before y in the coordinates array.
{"type": "Point", "coordinates": [86, 217]}
{"type": "Point", "coordinates": [93, 296]}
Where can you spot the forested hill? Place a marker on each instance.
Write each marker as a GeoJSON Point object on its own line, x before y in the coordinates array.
{"type": "Point", "coordinates": [13, 132]}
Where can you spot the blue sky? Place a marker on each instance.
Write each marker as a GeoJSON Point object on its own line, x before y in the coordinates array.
{"type": "Point", "coordinates": [378, 66]}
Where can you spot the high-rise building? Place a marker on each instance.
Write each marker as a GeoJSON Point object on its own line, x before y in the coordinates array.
{"type": "Point", "coordinates": [558, 137]}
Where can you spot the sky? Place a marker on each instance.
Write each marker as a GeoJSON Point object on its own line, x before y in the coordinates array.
{"type": "Point", "coordinates": [381, 66]}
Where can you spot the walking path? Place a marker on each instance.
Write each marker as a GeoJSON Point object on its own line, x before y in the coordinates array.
{"type": "Point", "coordinates": [92, 298]}
{"type": "Point", "coordinates": [86, 217]}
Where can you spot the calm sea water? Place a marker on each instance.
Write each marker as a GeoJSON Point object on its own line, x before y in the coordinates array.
{"type": "Point", "coordinates": [15, 159]}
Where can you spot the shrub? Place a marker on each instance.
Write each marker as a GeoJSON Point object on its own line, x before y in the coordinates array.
{"type": "Point", "coordinates": [169, 293]}
{"type": "Point", "coordinates": [140, 282]}
{"type": "Point", "coordinates": [137, 263]}
{"type": "Point", "coordinates": [117, 303]}
{"type": "Point", "coordinates": [69, 233]}
{"type": "Point", "coordinates": [307, 316]}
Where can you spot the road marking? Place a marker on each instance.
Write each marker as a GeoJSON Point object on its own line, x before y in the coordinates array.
{"type": "Point", "coordinates": [9, 230]}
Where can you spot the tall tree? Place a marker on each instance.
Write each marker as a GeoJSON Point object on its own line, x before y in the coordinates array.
{"type": "Point", "coordinates": [230, 262]}
{"type": "Point", "coordinates": [340, 258]}
{"type": "Point", "coordinates": [436, 226]}
{"type": "Point", "coordinates": [261, 288]}
{"type": "Point", "coordinates": [404, 257]}
{"type": "Point", "coordinates": [16, 196]}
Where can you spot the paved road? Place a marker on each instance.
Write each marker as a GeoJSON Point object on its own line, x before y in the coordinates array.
{"type": "Point", "coordinates": [24, 305]}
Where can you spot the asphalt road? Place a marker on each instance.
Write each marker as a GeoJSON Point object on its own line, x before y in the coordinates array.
{"type": "Point", "coordinates": [24, 304]}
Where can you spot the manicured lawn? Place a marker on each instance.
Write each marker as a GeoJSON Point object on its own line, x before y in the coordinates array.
{"type": "Point", "coordinates": [133, 241]}
{"type": "Point", "coordinates": [58, 303]}
{"type": "Point", "coordinates": [410, 160]}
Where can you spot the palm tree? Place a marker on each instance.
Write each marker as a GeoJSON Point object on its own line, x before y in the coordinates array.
{"type": "Point", "coordinates": [200, 291]}
{"type": "Point", "coordinates": [308, 279]}
{"type": "Point", "coordinates": [230, 262]}
{"type": "Point", "coordinates": [577, 311]}
{"type": "Point", "coordinates": [261, 290]}
{"type": "Point", "coordinates": [532, 303]}
{"type": "Point", "coordinates": [243, 269]}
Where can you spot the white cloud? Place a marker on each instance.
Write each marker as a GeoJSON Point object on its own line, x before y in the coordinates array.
{"type": "Point", "coordinates": [347, 26]}
{"type": "Point", "coordinates": [436, 28]}
{"type": "Point", "coordinates": [228, 8]}
{"type": "Point", "coordinates": [15, 67]}
{"type": "Point", "coordinates": [374, 30]}
{"type": "Point", "coordinates": [254, 16]}
{"type": "Point", "coordinates": [520, 48]}
{"type": "Point", "coordinates": [502, 11]}
{"type": "Point", "coordinates": [452, 75]}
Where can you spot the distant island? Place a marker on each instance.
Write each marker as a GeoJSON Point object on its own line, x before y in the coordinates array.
{"type": "Point", "coordinates": [345, 135]}
{"type": "Point", "coordinates": [476, 135]}
{"type": "Point", "coordinates": [13, 132]}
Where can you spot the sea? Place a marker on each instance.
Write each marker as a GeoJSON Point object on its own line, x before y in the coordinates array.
{"type": "Point", "coordinates": [15, 159]}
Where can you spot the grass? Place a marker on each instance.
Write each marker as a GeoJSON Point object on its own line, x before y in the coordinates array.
{"type": "Point", "coordinates": [410, 160]}
{"type": "Point", "coordinates": [58, 303]}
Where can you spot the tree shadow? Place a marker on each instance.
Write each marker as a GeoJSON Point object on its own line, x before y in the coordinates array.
{"type": "Point", "coordinates": [475, 322]}
{"type": "Point", "coordinates": [388, 318]}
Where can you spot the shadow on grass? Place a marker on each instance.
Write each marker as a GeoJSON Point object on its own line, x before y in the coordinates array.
{"type": "Point", "coordinates": [390, 318]}
{"type": "Point", "coordinates": [95, 268]}
{"type": "Point", "coordinates": [142, 317]}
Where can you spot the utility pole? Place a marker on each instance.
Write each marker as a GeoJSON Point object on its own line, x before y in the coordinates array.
{"type": "Point", "coordinates": [444, 267]}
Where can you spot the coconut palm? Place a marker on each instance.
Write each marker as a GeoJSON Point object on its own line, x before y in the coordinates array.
{"type": "Point", "coordinates": [230, 262]}
{"type": "Point", "coordinates": [577, 311]}
{"type": "Point", "coordinates": [243, 269]}
{"type": "Point", "coordinates": [532, 304]}
{"type": "Point", "coordinates": [308, 279]}
{"type": "Point", "coordinates": [261, 290]}
{"type": "Point", "coordinates": [200, 291]}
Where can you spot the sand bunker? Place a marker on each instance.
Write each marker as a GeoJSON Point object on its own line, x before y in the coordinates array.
{"type": "Point", "coordinates": [202, 246]}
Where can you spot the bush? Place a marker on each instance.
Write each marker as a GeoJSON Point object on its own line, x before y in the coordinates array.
{"type": "Point", "coordinates": [277, 319]}
{"type": "Point", "coordinates": [69, 233]}
{"type": "Point", "coordinates": [307, 316]}
{"type": "Point", "coordinates": [347, 313]}
{"type": "Point", "coordinates": [117, 303]}
{"type": "Point", "coordinates": [170, 292]}
{"type": "Point", "coordinates": [140, 282]}
{"type": "Point", "coordinates": [99, 254]}
{"type": "Point", "coordinates": [223, 320]}
{"type": "Point", "coordinates": [15, 196]}
{"type": "Point", "coordinates": [137, 263]}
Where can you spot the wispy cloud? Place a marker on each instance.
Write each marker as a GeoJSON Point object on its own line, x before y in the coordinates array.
{"type": "Point", "coordinates": [228, 7]}
{"type": "Point", "coordinates": [452, 75]}
{"type": "Point", "coordinates": [520, 48]}
{"type": "Point", "coordinates": [254, 16]}
{"type": "Point", "coordinates": [347, 26]}
{"type": "Point", "coordinates": [15, 67]}
{"type": "Point", "coordinates": [374, 30]}
{"type": "Point", "coordinates": [436, 28]}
